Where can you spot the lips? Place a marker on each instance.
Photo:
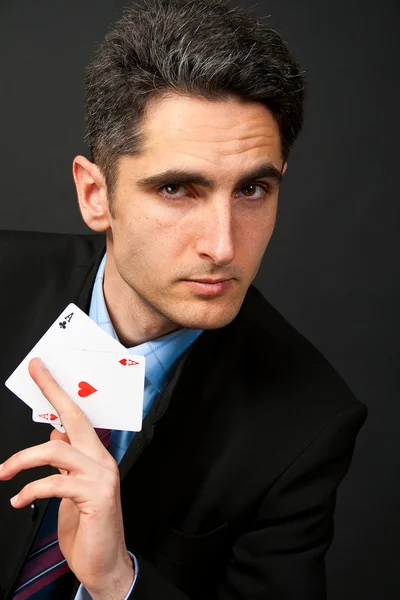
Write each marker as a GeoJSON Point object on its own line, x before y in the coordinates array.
{"type": "Point", "coordinates": [209, 287]}
{"type": "Point", "coordinates": [210, 281]}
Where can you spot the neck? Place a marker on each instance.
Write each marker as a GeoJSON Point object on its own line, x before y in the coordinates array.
{"type": "Point", "coordinates": [133, 319]}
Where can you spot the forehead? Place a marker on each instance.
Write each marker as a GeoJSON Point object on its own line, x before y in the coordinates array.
{"type": "Point", "coordinates": [216, 132]}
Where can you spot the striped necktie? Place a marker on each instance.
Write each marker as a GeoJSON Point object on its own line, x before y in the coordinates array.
{"type": "Point", "coordinates": [45, 564]}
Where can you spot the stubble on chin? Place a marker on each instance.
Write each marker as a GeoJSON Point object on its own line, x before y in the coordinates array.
{"type": "Point", "coordinates": [205, 314]}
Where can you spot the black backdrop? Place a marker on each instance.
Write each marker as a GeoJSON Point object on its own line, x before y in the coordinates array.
{"type": "Point", "coordinates": [331, 267]}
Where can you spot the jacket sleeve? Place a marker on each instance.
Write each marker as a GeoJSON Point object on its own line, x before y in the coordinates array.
{"type": "Point", "coordinates": [281, 553]}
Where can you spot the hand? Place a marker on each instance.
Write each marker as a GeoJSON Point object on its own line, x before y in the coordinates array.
{"type": "Point", "coordinates": [90, 525]}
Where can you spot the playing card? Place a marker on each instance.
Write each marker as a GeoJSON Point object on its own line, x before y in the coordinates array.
{"type": "Point", "coordinates": [73, 329]}
{"type": "Point", "coordinates": [48, 417]}
{"type": "Point", "coordinates": [108, 386]}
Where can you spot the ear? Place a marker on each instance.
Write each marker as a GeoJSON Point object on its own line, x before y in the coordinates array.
{"type": "Point", "coordinates": [92, 194]}
{"type": "Point", "coordinates": [284, 167]}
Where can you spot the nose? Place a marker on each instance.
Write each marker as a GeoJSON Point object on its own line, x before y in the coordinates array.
{"type": "Point", "coordinates": [217, 238]}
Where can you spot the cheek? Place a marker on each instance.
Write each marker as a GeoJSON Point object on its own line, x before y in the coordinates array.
{"type": "Point", "coordinates": [254, 233]}
{"type": "Point", "coordinates": [152, 244]}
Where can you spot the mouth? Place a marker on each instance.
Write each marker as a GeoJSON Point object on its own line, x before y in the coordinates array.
{"type": "Point", "coordinates": [209, 287]}
{"type": "Point", "coordinates": [209, 280]}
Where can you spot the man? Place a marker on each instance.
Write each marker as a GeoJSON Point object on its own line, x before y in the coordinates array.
{"type": "Point", "coordinates": [229, 489]}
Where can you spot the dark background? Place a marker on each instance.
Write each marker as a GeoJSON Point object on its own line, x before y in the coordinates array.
{"type": "Point", "coordinates": [331, 267]}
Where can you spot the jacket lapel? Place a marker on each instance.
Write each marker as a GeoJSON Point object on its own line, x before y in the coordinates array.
{"type": "Point", "coordinates": [142, 438]}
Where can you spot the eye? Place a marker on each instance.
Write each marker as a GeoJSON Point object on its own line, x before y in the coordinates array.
{"type": "Point", "coordinates": [255, 191]}
{"type": "Point", "coordinates": [173, 190]}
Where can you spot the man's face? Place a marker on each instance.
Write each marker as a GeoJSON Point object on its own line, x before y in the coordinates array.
{"type": "Point", "coordinates": [198, 204]}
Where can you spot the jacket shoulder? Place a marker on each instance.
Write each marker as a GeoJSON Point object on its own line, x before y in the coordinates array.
{"type": "Point", "coordinates": [17, 246]}
{"type": "Point", "coordinates": [292, 365]}
{"type": "Point", "coordinates": [41, 254]}
{"type": "Point", "coordinates": [46, 269]}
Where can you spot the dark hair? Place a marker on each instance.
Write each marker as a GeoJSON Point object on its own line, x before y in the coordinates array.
{"type": "Point", "coordinates": [194, 47]}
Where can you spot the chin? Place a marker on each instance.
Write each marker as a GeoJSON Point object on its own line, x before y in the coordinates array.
{"type": "Point", "coordinates": [209, 318]}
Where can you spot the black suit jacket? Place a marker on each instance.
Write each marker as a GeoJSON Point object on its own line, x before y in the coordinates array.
{"type": "Point", "coordinates": [229, 490]}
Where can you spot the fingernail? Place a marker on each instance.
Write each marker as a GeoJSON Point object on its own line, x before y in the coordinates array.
{"type": "Point", "coordinates": [14, 499]}
{"type": "Point", "coordinates": [41, 364]}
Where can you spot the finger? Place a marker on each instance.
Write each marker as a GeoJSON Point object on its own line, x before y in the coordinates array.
{"type": "Point", "coordinates": [55, 453]}
{"type": "Point", "coordinates": [56, 486]}
{"type": "Point", "coordinates": [76, 424]}
{"type": "Point", "coordinates": [57, 435]}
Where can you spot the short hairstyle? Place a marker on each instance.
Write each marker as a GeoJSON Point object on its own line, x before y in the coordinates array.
{"type": "Point", "coordinates": [201, 48]}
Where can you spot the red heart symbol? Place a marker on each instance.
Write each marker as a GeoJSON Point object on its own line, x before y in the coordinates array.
{"type": "Point", "coordinates": [130, 362]}
{"type": "Point", "coordinates": [53, 417]}
{"type": "Point", "coordinates": [85, 389]}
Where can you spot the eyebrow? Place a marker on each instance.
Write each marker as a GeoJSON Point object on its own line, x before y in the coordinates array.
{"type": "Point", "coordinates": [263, 171]}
